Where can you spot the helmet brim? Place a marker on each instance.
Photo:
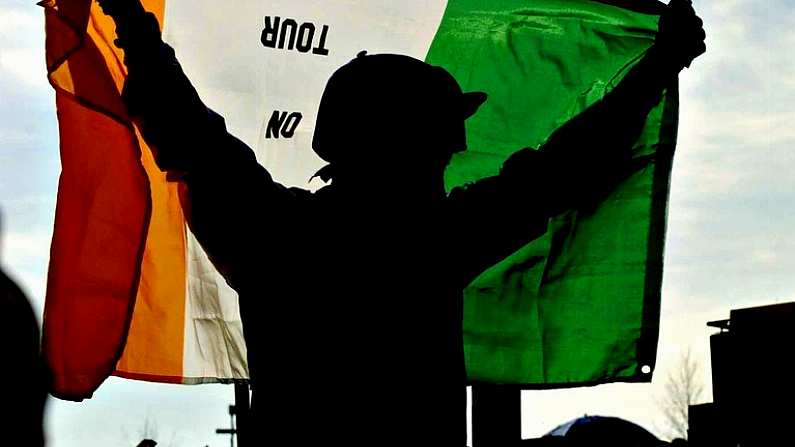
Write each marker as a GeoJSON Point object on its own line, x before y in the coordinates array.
{"type": "Point", "coordinates": [471, 102]}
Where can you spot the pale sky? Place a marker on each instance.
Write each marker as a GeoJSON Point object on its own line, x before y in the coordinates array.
{"type": "Point", "coordinates": [730, 239]}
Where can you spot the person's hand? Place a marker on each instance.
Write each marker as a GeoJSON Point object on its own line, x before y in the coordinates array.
{"type": "Point", "coordinates": [116, 8]}
{"type": "Point", "coordinates": [160, 100]}
{"type": "Point", "coordinates": [123, 12]}
{"type": "Point", "coordinates": [135, 27]}
{"type": "Point", "coordinates": [681, 35]}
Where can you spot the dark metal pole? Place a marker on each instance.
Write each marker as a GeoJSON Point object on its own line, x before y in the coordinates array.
{"type": "Point", "coordinates": [496, 415]}
{"type": "Point", "coordinates": [231, 431]}
{"type": "Point", "coordinates": [243, 411]}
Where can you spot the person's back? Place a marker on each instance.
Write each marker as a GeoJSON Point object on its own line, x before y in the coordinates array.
{"type": "Point", "coordinates": [351, 297]}
{"type": "Point", "coordinates": [355, 328]}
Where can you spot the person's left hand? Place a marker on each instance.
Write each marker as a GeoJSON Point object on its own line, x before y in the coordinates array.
{"type": "Point", "coordinates": [681, 36]}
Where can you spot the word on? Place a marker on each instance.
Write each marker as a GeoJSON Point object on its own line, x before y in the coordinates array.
{"type": "Point", "coordinates": [282, 123]}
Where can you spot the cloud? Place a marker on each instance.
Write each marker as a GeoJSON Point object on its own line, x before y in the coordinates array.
{"type": "Point", "coordinates": [730, 218]}
{"type": "Point", "coordinates": [28, 137]}
{"type": "Point", "coordinates": [19, 19]}
{"type": "Point", "coordinates": [21, 55]}
{"type": "Point", "coordinates": [730, 241]}
{"type": "Point", "coordinates": [22, 247]}
{"type": "Point", "coordinates": [28, 147]}
{"type": "Point", "coordinates": [25, 257]}
{"type": "Point", "coordinates": [730, 235]}
{"type": "Point", "coordinates": [116, 414]}
{"type": "Point", "coordinates": [26, 64]}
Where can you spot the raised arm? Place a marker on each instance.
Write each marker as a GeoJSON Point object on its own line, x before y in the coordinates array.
{"type": "Point", "coordinates": [591, 152]}
{"type": "Point", "coordinates": [231, 197]}
{"type": "Point", "coordinates": [584, 158]}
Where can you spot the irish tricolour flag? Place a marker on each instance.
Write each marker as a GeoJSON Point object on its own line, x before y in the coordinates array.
{"type": "Point", "coordinates": [130, 291]}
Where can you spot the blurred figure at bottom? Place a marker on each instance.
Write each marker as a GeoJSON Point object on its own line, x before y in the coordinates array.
{"type": "Point", "coordinates": [22, 371]}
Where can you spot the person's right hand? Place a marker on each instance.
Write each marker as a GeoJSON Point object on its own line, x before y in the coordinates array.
{"type": "Point", "coordinates": [681, 35]}
{"type": "Point", "coordinates": [135, 27]}
{"type": "Point", "coordinates": [122, 10]}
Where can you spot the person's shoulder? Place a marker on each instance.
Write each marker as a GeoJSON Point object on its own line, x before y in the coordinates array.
{"type": "Point", "coordinates": [474, 188]}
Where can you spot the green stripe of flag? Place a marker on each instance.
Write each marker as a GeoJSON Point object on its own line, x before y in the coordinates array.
{"type": "Point", "coordinates": [589, 311]}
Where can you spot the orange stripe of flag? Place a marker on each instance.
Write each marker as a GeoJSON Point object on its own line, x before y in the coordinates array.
{"type": "Point", "coordinates": [119, 235]}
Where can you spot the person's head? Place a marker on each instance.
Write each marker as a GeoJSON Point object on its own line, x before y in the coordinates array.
{"type": "Point", "coordinates": [394, 120]}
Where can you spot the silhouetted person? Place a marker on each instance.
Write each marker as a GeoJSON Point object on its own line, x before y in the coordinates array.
{"type": "Point", "coordinates": [22, 372]}
{"type": "Point", "coordinates": [351, 297]}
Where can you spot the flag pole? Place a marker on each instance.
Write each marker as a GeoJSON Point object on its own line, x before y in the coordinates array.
{"type": "Point", "coordinates": [242, 413]}
{"type": "Point", "coordinates": [496, 415]}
